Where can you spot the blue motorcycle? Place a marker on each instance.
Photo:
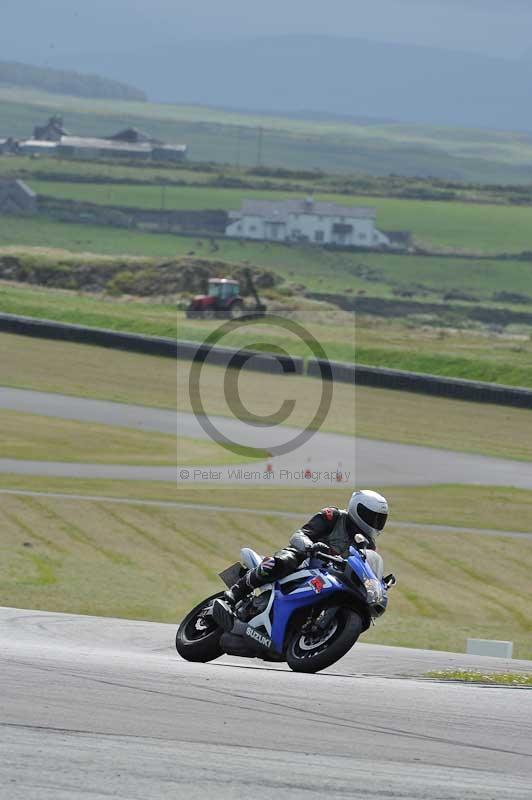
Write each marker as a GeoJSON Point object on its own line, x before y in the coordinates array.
{"type": "Point", "coordinates": [310, 619]}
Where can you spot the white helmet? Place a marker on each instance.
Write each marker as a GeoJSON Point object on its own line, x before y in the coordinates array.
{"type": "Point", "coordinates": [369, 511]}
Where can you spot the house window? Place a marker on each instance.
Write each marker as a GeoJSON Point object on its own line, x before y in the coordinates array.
{"type": "Point", "coordinates": [253, 227]}
{"type": "Point", "coordinates": [239, 226]}
{"type": "Point", "coordinates": [362, 236]}
{"type": "Point", "coordinates": [319, 236]}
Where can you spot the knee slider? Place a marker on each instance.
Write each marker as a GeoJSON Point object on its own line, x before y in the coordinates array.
{"type": "Point", "coordinates": [266, 567]}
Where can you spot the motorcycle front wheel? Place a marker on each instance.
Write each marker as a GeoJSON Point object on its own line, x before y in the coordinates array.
{"type": "Point", "coordinates": [198, 635]}
{"type": "Point", "coordinates": [317, 649]}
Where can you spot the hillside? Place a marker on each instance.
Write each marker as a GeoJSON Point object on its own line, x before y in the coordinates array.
{"type": "Point", "coordinates": [60, 81]}
{"type": "Point", "coordinates": [226, 137]}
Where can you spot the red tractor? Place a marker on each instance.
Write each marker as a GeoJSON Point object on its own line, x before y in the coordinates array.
{"type": "Point", "coordinates": [224, 300]}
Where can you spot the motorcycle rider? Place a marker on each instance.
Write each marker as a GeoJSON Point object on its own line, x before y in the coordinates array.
{"type": "Point", "coordinates": [331, 530]}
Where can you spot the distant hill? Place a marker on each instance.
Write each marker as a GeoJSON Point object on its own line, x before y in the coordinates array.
{"type": "Point", "coordinates": [58, 81]}
{"type": "Point", "coordinates": [340, 76]}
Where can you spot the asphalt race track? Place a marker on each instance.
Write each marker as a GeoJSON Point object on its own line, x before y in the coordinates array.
{"type": "Point", "coordinates": [362, 461]}
{"type": "Point", "coordinates": [100, 708]}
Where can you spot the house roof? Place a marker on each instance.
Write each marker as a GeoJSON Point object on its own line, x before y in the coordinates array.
{"type": "Point", "coordinates": [132, 135]}
{"type": "Point", "coordinates": [281, 209]}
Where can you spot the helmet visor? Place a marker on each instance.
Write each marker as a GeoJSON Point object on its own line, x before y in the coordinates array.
{"type": "Point", "coordinates": [371, 518]}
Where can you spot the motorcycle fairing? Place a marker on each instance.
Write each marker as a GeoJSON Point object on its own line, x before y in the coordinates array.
{"type": "Point", "coordinates": [272, 622]}
{"type": "Point", "coordinates": [276, 616]}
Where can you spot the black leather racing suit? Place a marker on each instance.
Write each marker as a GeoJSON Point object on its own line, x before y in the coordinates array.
{"type": "Point", "coordinates": [330, 526]}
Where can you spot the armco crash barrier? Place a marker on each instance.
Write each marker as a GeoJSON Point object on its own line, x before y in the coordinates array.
{"type": "Point", "coordinates": [426, 384]}
{"type": "Point", "coordinates": [271, 363]}
{"type": "Point", "coordinates": [242, 359]}
{"type": "Point", "coordinates": [151, 345]}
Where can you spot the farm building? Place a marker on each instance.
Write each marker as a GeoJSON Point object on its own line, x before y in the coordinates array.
{"type": "Point", "coordinates": [37, 147]}
{"type": "Point", "coordinates": [8, 146]}
{"type": "Point", "coordinates": [130, 143]}
{"type": "Point", "coordinates": [16, 198]}
{"type": "Point", "coordinates": [52, 131]}
{"type": "Point", "coordinates": [83, 147]}
{"type": "Point", "coordinates": [134, 136]}
{"type": "Point", "coordinates": [306, 220]}
{"type": "Point", "coordinates": [169, 152]}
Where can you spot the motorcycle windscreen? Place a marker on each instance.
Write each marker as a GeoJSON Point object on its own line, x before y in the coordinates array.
{"type": "Point", "coordinates": [232, 574]}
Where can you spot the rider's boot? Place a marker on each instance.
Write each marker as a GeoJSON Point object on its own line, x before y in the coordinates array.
{"type": "Point", "coordinates": [239, 590]}
{"type": "Point", "coordinates": [223, 607]}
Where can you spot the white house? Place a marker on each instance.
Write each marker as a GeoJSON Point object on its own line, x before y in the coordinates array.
{"type": "Point", "coordinates": [307, 220]}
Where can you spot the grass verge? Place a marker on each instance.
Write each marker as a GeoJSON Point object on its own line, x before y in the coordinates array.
{"type": "Point", "coordinates": [40, 438]}
{"type": "Point", "coordinates": [482, 507]}
{"type": "Point", "coordinates": [497, 678]}
{"type": "Point", "coordinates": [428, 344]}
{"type": "Point", "coordinates": [154, 562]}
{"type": "Point", "coordinates": [87, 371]}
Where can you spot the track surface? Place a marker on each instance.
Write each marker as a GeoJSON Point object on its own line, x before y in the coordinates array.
{"type": "Point", "coordinates": [100, 708]}
{"type": "Point", "coordinates": [362, 461]}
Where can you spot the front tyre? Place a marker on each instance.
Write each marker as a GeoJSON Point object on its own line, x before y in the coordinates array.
{"type": "Point", "coordinates": [315, 649]}
{"type": "Point", "coordinates": [198, 636]}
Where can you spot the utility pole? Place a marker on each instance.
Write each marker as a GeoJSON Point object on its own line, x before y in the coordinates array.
{"type": "Point", "coordinates": [259, 148]}
{"type": "Point", "coordinates": [238, 133]}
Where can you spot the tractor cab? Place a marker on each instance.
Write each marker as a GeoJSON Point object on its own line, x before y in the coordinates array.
{"type": "Point", "coordinates": [223, 289]}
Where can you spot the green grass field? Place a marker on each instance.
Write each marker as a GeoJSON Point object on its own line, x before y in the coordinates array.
{"type": "Point", "coordinates": [86, 371]}
{"type": "Point", "coordinates": [197, 174]}
{"type": "Point", "coordinates": [453, 505]}
{"type": "Point", "coordinates": [451, 226]}
{"type": "Point", "coordinates": [149, 562]}
{"type": "Point", "coordinates": [41, 438]}
{"type": "Point", "coordinates": [225, 137]}
{"type": "Point", "coordinates": [377, 274]}
{"type": "Point", "coordinates": [474, 355]}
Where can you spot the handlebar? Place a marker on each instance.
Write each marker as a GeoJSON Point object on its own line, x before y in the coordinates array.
{"type": "Point", "coordinates": [328, 557]}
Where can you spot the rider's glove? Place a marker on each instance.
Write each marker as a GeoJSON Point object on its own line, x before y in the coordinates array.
{"type": "Point", "coordinates": [318, 547]}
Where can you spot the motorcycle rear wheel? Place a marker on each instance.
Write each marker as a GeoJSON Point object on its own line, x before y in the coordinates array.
{"type": "Point", "coordinates": [314, 652]}
{"type": "Point", "coordinates": [198, 637]}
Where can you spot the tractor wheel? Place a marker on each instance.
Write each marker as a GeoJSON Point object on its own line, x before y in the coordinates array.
{"type": "Point", "coordinates": [209, 313]}
{"type": "Point", "coordinates": [236, 309]}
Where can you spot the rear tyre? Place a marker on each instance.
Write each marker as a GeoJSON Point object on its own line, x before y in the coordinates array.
{"type": "Point", "coordinates": [313, 650]}
{"type": "Point", "coordinates": [198, 636]}
{"type": "Point", "coordinates": [236, 309]}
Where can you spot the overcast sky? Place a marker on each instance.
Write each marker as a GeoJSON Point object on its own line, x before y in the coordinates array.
{"type": "Point", "coordinates": [37, 31]}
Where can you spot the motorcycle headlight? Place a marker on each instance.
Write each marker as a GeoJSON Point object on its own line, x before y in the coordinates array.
{"type": "Point", "coordinates": [374, 591]}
